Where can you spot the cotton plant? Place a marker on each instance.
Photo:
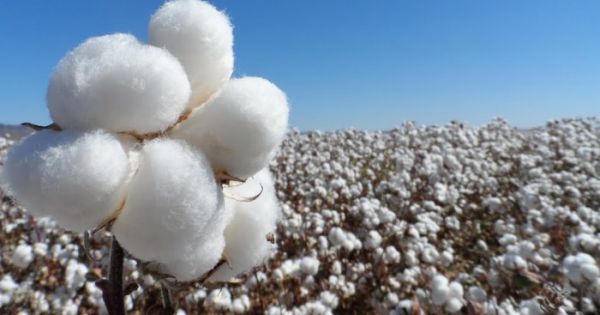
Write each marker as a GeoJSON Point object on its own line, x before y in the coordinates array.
{"type": "Point", "coordinates": [149, 140]}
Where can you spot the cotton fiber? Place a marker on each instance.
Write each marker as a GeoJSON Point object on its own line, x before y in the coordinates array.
{"type": "Point", "coordinates": [22, 256]}
{"type": "Point", "coordinates": [581, 267]}
{"type": "Point", "coordinates": [201, 38]}
{"type": "Point", "coordinates": [75, 178]}
{"type": "Point", "coordinates": [206, 253]}
{"type": "Point", "coordinates": [246, 235]}
{"type": "Point", "coordinates": [240, 129]}
{"type": "Point", "coordinates": [172, 203]}
{"type": "Point", "coordinates": [439, 290]}
{"type": "Point", "coordinates": [116, 83]}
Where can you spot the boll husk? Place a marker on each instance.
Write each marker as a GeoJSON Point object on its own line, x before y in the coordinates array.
{"type": "Point", "coordinates": [240, 129]}
{"type": "Point", "coordinates": [201, 37]}
{"type": "Point", "coordinates": [173, 204]}
{"type": "Point", "coordinates": [116, 83]}
{"type": "Point", "coordinates": [246, 235]}
{"type": "Point", "coordinates": [76, 178]}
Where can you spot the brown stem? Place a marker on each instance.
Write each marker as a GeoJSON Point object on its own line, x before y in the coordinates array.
{"type": "Point", "coordinates": [112, 291]}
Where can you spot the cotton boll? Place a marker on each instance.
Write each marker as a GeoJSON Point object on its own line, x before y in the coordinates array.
{"type": "Point", "coordinates": [590, 271]}
{"type": "Point", "coordinates": [309, 265]}
{"type": "Point", "coordinates": [245, 236]}
{"type": "Point", "coordinates": [373, 240]}
{"type": "Point", "coordinates": [391, 300]}
{"type": "Point", "coordinates": [581, 267]}
{"type": "Point", "coordinates": [220, 299]}
{"type": "Point", "coordinates": [477, 294]}
{"type": "Point", "coordinates": [439, 295]}
{"type": "Point", "coordinates": [7, 286]}
{"type": "Point", "coordinates": [454, 305]}
{"type": "Point", "coordinates": [530, 307]}
{"type": "Point", "coordinates": [207, 251]}
{"type": "Point", "coordinates": [201, 37]}
{"type": "Point", "coordinates": [173, 208]}
{"type": "Point", "coordinates": [22, 256]}
{"type": "Point", "coordinates": [75, 275]}
{"type": "Point", "coordinates": [455, 290]}
{"type": "Point", "coordinates": [40, 249]}
{"type": "Point", "coordinates": [116, 83]}
{"type": "Point", "coordinates": [439, 290]}
{"type": "Point", "coordinates": [202, 258]}
{"type": "Point", "coordinates": [240, 129]}
{"type": "Point", "coordinates": [75, 178]}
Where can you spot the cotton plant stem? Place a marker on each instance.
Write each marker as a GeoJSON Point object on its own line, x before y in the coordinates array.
{"type": "Point", "coordinates": [167, 307]}
{"type": "Point", "coordinates": [113, 293]}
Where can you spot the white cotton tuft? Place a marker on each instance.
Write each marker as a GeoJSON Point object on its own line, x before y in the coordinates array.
{"type": "Point", "coordinates": [22, 256]}
{"type": "Point", "coordinates": [174, 210]}
{"type": "Point", "coordinates": [75, 178]}
{"type": "Point", "coordinates": [246, 235]}
{"type": "Point", "coordinates": [203, 257]}
{"type": "Point", "coordinates": [201, 37]}
{"type": "Point", "coordinates": [116, 83]}
{"type": "Point", "coordinates": [240, 129]}
{"type": "Point", "coordinates": [455, 290]}
{"type": "Point", "coordinates": [439, 290]}
{"type": "Point", "coordinates": [309, 265]}
{"type": "Point", "coordinates": [454, 305]}
{"type": "Point", "coordinates": [581, 267]}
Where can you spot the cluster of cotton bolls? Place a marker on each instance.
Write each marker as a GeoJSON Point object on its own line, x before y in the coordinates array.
{"type": "Point", "coordinates": [144, 137]}
{"type": "Point", "coordinates": [415, 220]}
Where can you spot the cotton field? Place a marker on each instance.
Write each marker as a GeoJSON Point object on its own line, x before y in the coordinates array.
{"type": "Point", "coordinates": [415, 220]}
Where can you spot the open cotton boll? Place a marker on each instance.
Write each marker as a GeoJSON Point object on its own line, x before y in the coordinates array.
{"type": "Point", "coordinates": [116, 83]}
{"type": "Point", "coordinates": [246, 236]}
{"type": "Point", "coordinates": [439, 290]}
{"type": "Point", "coordinates": [172, 203]}
{"type": "Point", "coordinates": [75, 178]}
{"type": "Point", "coordinates": [201, 37]}
{"type": "Point", "coordinates": [581, 267]}
{"type": "Point", "coordinates": [240, 129]}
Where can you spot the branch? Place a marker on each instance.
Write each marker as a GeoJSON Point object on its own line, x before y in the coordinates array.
{"type": "Point", "coordinates": [35, 127]}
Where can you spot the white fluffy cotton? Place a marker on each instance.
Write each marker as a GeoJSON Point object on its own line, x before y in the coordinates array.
{"type": "Point", "coordinates": [75, 178]}
{"type": "Point", "coordinates": [439, 290]}
{"type": "Point", "coordinates": [240, 129]}
{"type": "Point", "coordinates": [201, 37]}
{"type": "Point", "coordinates": [448, 294]}
{"type": "Point", "coordinates": [581, 267]}
{"type": "Point", "coordinates": [174, 210]}
{"type": "Point", "coordinates": [22, 256]}
{"type": "Point", "coordinates": [116, 83]}
{"type": "Point", "coordinates": [246, 234]}
{"type": "Point", "coordinates": [203, 257]}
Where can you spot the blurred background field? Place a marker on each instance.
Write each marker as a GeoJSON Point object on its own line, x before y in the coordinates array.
{"type": "Point", "coordinates": [414, 220]}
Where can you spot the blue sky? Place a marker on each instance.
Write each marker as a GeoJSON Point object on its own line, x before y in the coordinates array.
{"type": "Point", "coordinates": [364, 64]}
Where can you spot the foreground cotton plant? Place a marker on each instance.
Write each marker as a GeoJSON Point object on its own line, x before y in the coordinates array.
{"type": "Point", "coordinates": [144, 138]}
